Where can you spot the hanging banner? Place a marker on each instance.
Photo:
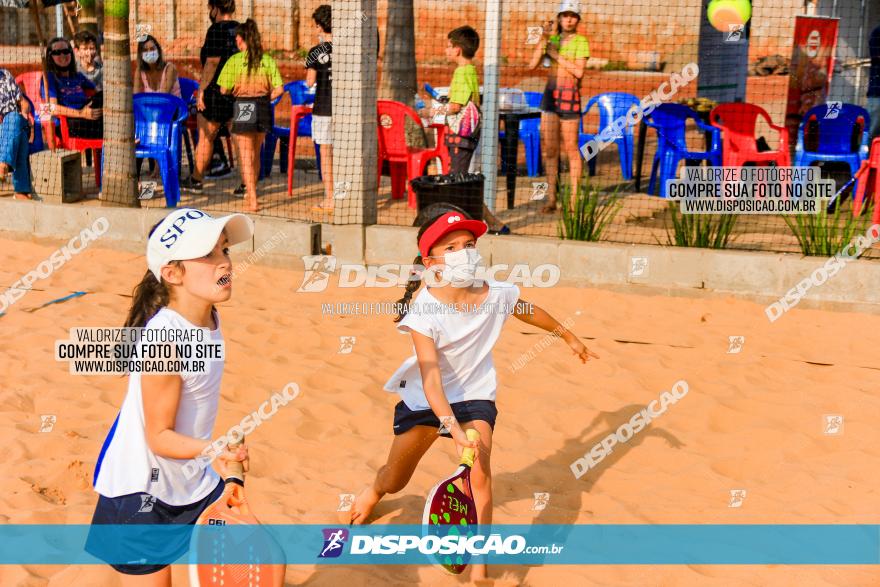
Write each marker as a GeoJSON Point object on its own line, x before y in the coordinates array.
{"type": "Point", "coordinates": [812, 64]}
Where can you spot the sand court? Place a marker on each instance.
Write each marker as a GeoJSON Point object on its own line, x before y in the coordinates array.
{"type": "Point", "coordinates": [751, 430]}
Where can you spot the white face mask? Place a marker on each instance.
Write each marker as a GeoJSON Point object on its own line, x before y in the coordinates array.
{"type": "Point", "coordinates": [461, 267]}
{"type": "Point", "coordinates": [151, 57]}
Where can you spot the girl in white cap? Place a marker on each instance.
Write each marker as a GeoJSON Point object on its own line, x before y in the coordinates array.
{"type": "Point", "coordinates": [450, 380]}
{"type": "Point", "coordinates": [166, 419]}
{"type": "Point", "coordinates": [567, 53]}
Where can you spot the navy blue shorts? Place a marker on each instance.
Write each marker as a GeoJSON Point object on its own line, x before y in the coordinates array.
{"type": "Point", "coordinates": [466, 411]}
{"type": "Point", "coordinates": [143, 508]}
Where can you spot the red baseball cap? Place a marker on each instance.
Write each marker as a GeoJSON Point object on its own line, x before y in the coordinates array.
{"type": "Point", "coordinates": [449, 222]}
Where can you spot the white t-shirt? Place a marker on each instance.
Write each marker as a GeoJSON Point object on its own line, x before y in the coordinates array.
{"type": "Point", "coordinates": [464, 338]}
{"type": "Point", "coordinates": [127, 465]}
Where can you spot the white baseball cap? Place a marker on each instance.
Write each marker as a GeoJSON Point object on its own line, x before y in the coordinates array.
{"type": "Point", "coordinates": [188, 233]}
{"type": "Point", "coordinates": [569, 6]}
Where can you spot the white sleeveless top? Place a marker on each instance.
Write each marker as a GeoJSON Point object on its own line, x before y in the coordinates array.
{"type": "Point", "coordinates": [464, 341]}
{"type": "Point", "coordinates": [127, 465]}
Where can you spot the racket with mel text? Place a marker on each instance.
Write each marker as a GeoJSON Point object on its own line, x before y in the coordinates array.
{"type": "Point", "coordinates": [210, 540]}
{"type": "Point", "coordinates": [450, 509]}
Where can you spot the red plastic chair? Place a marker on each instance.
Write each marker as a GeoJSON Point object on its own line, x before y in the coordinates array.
{"type": "Point", "coordinates": [404, 162]}
{"type": "Point", "coordinates": [81, 145]}
{"type": "Point", "coordinates": [297, 113]}
{"type": "Point", "coordinates": [737, 122]}
{"type": "Point", "coordinates": [872, 163]}
{"type": "Point", "coordinates": [30, 81]}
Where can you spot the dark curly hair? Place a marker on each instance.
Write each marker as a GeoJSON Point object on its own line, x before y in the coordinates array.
{"type": "Point", "coordinates": [322, 16]}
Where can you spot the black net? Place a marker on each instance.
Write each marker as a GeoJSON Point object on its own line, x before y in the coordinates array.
{"type": "Point", "coordinates": [560, 120]}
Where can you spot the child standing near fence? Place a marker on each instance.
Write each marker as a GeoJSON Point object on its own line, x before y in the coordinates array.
{"type": "Point", "coordinates": [462, 111]}
{"type": "Point", "coordinates": [319, 73]}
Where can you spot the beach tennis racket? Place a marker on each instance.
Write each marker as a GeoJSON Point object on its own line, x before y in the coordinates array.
{"type": "Point", "coordinates": [229, 510]}
{"type": "Point", "coordinates": [450, 508]}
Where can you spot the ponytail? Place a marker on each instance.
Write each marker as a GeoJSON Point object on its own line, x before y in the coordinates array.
{"type": "Point", "coordinates": [412, 285]}
{"type": "Point", "coordinates": [249, 32]}
{"type": "Point", "coordinates": [148, 297]}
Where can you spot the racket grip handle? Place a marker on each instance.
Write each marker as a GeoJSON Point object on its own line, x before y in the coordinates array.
{"type": "Point", "coordinates": [468, 454]}
{"type": "Point", "coordinates": [235, 468]}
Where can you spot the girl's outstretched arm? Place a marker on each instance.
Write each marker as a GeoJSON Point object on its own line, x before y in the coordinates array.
{"type": "Point", "coordinates": [426, 352]}
{"type": "Point", "coordinates": [531, 314]}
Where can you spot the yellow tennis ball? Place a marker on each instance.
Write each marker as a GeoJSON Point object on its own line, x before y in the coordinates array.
{"type": "Point", "coordinates": [724, 14]}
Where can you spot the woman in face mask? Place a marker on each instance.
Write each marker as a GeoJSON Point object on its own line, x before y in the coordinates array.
{"type": "Point", "coordinates": [455, 323]}
{"type": "Point", "coordinates": [154, 74]}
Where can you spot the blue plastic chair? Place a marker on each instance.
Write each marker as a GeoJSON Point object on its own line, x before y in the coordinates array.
{"type": "Point", "coordinates": [612, 105]}
{"type": "Point", "coordinates": [836, 128]}
{"type": "Point", "coordinates": [188, 89]}
{"type": "Point", "coordinates": [670, 122]}
{"type": "Point", "coordinates": [158, 119]}
{"type": "Point", "coordinates": [529, 134]}
{"type": "Point", "coordinates": [299, 95]}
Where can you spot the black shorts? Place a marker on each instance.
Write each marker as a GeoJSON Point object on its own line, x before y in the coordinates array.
{"type": "Point", "coordinates": [218, 107]}
{"type": "Point", "coordinates": [143, 508]}
{"type": "Point", "coordinates": [252, 115]}
{"type": "Point", "coordinates": [564, 101]}
{"type": "Point", "coordinates": [466, 411]}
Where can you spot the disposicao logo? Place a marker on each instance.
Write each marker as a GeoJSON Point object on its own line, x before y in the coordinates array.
{"type": "Point", "coordinates": [334, 540]}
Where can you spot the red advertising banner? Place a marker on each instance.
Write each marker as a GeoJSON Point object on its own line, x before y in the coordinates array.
{"type": "Point", "coordinates": [812, 63]}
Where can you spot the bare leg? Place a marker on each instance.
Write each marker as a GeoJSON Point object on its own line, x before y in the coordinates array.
{"type": "Point", "coordinates": [406, 451]}
{"type": "Point", "coordinates": [327, 174]}
{"type": "Point", "coordinates": [158, 579]}
{"type": "Point", "coordinates": [570, 130]}
{"type": "Point", "coordinates": [550, 150]}
{"type": "Point", "coordinates": [245, 142]}
{"type": "Point", "coordinates": [205, 149]}
{"type": "Point", "coordinates": [481, 483]}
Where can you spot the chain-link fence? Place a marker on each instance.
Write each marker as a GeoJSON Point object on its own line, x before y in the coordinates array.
{"type": "Point", "coordinates": [331, 113]}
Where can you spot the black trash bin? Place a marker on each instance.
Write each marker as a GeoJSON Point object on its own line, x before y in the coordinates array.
{"type": "Point", "coordinates": [464, 190]}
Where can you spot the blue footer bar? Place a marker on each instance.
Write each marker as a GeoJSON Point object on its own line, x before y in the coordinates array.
{"type": "Point", "coordinates": [758, 544]}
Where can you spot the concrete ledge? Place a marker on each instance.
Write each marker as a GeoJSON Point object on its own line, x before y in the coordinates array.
{"type": "Point", "coordinates": [276, 241]}
{"type": "Point", "coordinates": [631, 268]}
{"type": "Point", "coordinates": [390, 244]}
{"type": "Point", "coordinates": [661, 269]}
{"type": "Point", "coordinates": [348, 241]}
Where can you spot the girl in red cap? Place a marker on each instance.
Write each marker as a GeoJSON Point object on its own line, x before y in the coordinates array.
{"type": "Point", "coordinates": [449, 384]}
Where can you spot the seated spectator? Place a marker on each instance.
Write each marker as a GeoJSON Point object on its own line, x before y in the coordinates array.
{"type": "Point", "coordinates": [153, 73]}
{"type": "Point", "coordinates": [71, 93]}
{"type": "Point", "coordinates": [87, 61]}
{"type": "Point", "coordinates": [14, 135]}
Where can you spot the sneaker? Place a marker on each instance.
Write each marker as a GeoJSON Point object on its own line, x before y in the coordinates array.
{"type": "Point", "coordinates": [219, 172]}
{"type": "Point", "coordinates": [503, 230]}
{"type": "Point", "coordinates": [239, 191]}
{"type": "Point", "coordinates": [190, 184]}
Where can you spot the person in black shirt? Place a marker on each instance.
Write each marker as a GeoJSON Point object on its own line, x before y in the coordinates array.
{"type": "Point", "coordinates": [319, 70]}
{"type": "Point", "coordinates": [874, 82]}
{"type": "Point", "coordinates": [215, 109]}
